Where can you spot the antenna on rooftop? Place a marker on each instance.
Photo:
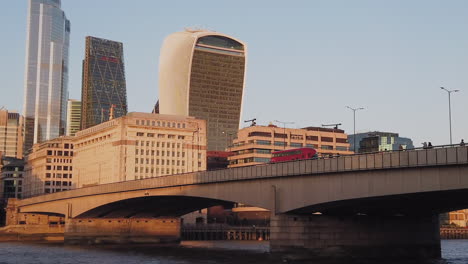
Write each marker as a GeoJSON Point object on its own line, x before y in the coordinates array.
{"type": "Point", "coordinates": [332, 125]}
{"type": "Point", "coordinates": [253, 123]}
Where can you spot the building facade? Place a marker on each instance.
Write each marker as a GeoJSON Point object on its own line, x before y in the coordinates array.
{"type": "Point", "coordinates": [11, 177]}
{"type": "Point", "coordinates": [139, 146]}
{"type": "Point", "coordinates": [458, 218]}
{"type": "Point", "coordinates": [255, 144]}
{"type": "Point", "coordinates": [46, 72]}
{"type": "Point", "coordinates": [49, 167]}
{"type": "Point", "coordinates": [202, 74]}
{"type": "Point", "coordinates": [104, 91]}
{"type": "Point", "coordinates": [73, 117]}
{"type": "Point", "coordinates": [11, 134]}
{"type": "Point", "coordinates": [379, 141]}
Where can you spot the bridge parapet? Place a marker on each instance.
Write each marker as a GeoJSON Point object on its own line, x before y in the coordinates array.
{"type": "Point", "coordinates": [437, 156]}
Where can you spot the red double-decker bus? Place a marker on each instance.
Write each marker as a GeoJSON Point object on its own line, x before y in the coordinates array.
{"type": "Point", "coordinates": [293, 154]}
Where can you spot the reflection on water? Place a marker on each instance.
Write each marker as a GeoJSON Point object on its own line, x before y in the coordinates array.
{"type": "Point", "coordinates": [453, 251]}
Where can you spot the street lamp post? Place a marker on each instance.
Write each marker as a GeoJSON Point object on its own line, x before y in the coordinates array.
{"type": "Point", "coordinates": [449, 92]}
{"type": "Point", "coordinates": [229, 142]}
{"type": "Point", "coordinates": [284, 131]}
{"type": "Point", "coordinates": [354, 124]}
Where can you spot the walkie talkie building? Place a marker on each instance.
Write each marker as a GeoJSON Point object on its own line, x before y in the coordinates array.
{"type": "Point", "coordinates": [202, 74]}
{"type": "Point", "coordinates": [103, 84]}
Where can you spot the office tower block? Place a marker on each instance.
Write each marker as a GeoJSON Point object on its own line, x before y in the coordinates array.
{"type": "Point", "coordinates": [103, 94]}
{"type": "Point", "coordinates": [202, 74]}
{"type": "Point", "coordinates": [73, 117]}
{"type": "Point", "coordinates": [11, 134]}
{"type": "Point", "coordinates": [46, 72]}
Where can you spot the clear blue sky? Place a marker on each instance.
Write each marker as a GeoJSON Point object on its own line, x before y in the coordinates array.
{"type": "Point", "coordinates": [307, 59]}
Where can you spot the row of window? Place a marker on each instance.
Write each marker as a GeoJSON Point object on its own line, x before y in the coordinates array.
{"type": "Point", "coordinates": [58, 145]}
{"type": "Point", "coordinates": [297, 145]}
{"type": "Point", "coordinates": [157, 162]}
{"type": "Point", "coordinates": [65, 168]}
{"type": "Point", "coordinates": [157, 171]}
{"type": "Point", "coordinates": [12, 175]}
{"type": "Point", "coordinates": [160, 123]}
{"type": "Point", "coordinates": [281, 143]}
{"type": "Point", "coordinates": [95, 140]}
{"type": "Point", "coordinates": [50, 160]}
{"type": "Point", "coordinates": [59, 175]}
{"type": "Point", "coordinates": [158, 144]}
{"type": "Point", "coordinates": [161, 153]}
{"type": "Point", "coordinates": [60, 153]}
{"type": "Point", "coordinates": [58, 183]}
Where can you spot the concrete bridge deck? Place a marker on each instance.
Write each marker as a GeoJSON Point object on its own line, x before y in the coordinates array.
{"type": "Point", "coordinates": [435, 158]}
{"type": "Point", "coordinates": [369, 202]}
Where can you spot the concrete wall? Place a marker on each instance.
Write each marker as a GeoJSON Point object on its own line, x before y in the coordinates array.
{"type": "Point", "coordinates": [348, 236]}
{"type": "Point", "coordinates": [122, 231]}
{"type": "Point", "coordinates": [30, 226]}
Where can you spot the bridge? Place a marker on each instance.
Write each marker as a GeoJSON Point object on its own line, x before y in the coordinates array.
{"type": "Point", "coordinates": [383, 203]}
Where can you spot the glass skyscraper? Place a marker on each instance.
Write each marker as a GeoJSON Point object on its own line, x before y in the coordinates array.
{"type": "Point", "coordinates": [103, 91]}
{"type": "Point", "coordinates": [202, 74]}
{"type": "Point", "coordinates": [379, 141]}
{"type": "Point", "coordinates": [46, 73]}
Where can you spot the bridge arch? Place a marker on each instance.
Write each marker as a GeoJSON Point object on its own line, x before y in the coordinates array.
{"type": "Point", "coordinates": [152, 207]}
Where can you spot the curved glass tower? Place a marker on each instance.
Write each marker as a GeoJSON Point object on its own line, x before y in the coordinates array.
{"type": "Point", "coordinates": [202, 74]}
{"type": "Point", "coordinates": [46, 73]}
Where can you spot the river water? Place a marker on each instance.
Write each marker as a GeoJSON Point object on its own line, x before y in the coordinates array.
{"type": "Point", "coordinates": [210, 252]}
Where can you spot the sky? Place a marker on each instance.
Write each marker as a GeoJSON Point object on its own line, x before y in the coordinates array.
{"type": "Point", "coordinates": [307, 60]}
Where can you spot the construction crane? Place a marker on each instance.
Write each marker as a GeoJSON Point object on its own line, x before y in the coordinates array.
{"type": "Point", "coordinates": [332, 125]}
{"type": "Point", "coordinates": [253, 123]}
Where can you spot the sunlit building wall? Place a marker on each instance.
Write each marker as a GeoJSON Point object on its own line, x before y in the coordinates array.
{"type": "Point", "coordinates": [46, 72]}
{"type": "Point", "coordinates": [139, 146]}
{"type": "Point", "coordinates": [73, 117]}
{"type": "Point", "coordinates": [202, 74]}
{"type": "Point", "coordinates": [11, 134]}
{"type": "Point", "coordinates": [255, 145]}
{"type": "Point", "coordinates": [49, 167]}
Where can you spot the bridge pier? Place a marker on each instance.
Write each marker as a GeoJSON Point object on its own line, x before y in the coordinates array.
{"type": "Point", "coordinates": [316, 236]}
{"type": "Point", "coordinates": [30, 226]}
{"type": "Point", "coordinates": [122, 230]}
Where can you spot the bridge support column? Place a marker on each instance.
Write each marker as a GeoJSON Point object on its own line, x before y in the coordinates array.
{"type": "Point", "coordinates": [122, 231]}
{"type": "Point", "coordinates": [355, 236]}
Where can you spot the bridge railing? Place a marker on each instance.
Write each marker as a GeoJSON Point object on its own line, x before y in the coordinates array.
{"type": "Point", "coordinates": [435, 156]}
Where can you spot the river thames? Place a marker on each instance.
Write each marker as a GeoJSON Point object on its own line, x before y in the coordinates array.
{"type": "Point", "coordinates": [453, 252]}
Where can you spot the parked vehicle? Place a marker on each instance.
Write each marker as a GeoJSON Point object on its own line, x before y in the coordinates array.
{"type": "Point", "coordinates": [293, 154]}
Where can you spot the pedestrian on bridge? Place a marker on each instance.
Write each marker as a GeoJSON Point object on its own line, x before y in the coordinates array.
{"type": "Point", "coordinates": [462, 143]}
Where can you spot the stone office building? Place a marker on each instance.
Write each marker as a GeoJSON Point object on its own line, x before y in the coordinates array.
{"type": "Point", "coordinates": [255, 144]}
{"type": "Point", "coordinates": [139, 146]}
{"type": "Point", "coordinates": [49, 167]}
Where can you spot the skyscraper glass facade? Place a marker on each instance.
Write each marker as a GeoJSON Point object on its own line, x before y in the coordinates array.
{"type": "Point", "coordinates": [379, 141]}
{"type": "Point", "coordinates": [202, 74]}
{"type": "Point", "coordinates": [46, 71]}
{"type": "Point", "coordinates": [104, 88]}
{"type": "Point", "coordinates": [217, 81]}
